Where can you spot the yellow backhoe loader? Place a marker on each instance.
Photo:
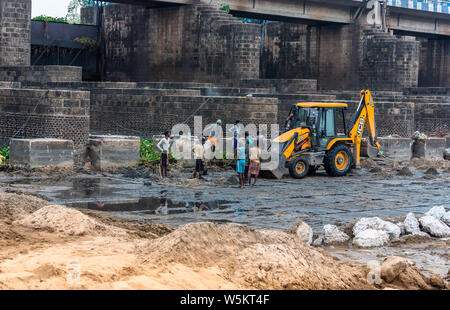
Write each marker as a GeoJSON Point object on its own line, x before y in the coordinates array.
{"type": "Point", "coordinates": [316, 134]}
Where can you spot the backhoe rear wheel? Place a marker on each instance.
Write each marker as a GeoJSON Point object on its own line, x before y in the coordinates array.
{"type": "Point", "coordinates": [298, 167]}
{"type": "Point", "coordinates": [338, 161]}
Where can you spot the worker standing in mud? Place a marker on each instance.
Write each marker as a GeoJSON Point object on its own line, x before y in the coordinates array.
{"type": "Point", "coordinates": [236, 129]}
{"type": "Point", "coordinates": [164, 146]}
{"type": "Point", "coordinates": [215, 132]}
{"type": "Point", "coordinates": [260, 137]}
{"type": "Point", "coordinates": [199, 155]}
{"type": "Point", "coordinates": [240, 162]}
{"type": "Point", "coordinates": [255, 166]}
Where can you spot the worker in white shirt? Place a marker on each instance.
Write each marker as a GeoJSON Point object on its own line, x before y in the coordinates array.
{"type": "Point", "coordinates": [261, 139]}
{"type": "Point", "coordinates": [255, 163]}
{"type": "Point", "coordinates": [236, 129]}
{"type": "Point", "coordinates": [164, 146]}
{"type": "Point", "coordinates": [199, 155]}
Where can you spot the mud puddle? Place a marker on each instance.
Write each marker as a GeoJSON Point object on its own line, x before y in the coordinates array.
{"type": "Point", "coordinates": [272, 204]}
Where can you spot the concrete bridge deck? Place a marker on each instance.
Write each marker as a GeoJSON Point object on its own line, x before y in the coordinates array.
{"type": "Point", "coordinates": [403, 15]}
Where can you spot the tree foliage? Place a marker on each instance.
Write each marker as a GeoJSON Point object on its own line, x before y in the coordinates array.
{"type": "Point", "coordinates": [73, 10]}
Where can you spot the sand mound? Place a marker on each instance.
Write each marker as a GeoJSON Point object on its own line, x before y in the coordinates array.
{"type": "Point", "coordinates": [13, 206]}
{"type": "Point", "coordinates": [207, 242]}
{"type": "Point", "coordinates": [256, 258]}
{"type": "Point", "coordinates": [63, 220]}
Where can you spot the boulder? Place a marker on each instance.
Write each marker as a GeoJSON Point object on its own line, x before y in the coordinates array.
{"type": "Point", "coordinates": [377, 224]}
{"type": "Point", "coordinates": [436, 212]}
{"type": "Point", "coordinates": [318, 241]}
{"type": "Point", "coordinates": [401, 225]}
{"type": "Point", "coordinates": [303, 231]}
{"type": "Point", "coordinates": [446, 218]}
{"type": "Point", "coordinates": [411, 224]}
{"type": "Point", "coordinates": [392, 267]}
{"type": "Point", "coordinates": [434, 227]}
{"type": "Point", "coordinates": [332, 235]}
{"type": "Point", "coordinates": [371, 238]}
{"type": "Point", "coordinates": [423, 234]}
{"type": "Point", "coordinates": [437, 281]}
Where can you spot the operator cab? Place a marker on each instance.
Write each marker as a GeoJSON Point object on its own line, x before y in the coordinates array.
{"type": "Point", "coordinates": [326, 121]}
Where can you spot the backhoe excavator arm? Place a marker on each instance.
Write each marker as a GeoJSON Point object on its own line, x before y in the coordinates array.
{"type": "Point", "coordinates": [365, 113]}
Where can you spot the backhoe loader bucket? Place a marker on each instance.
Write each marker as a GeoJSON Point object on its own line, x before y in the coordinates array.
{"type": "Point", "coordinates": [368, 150]}
{"type": "Point", "coordinates": [273, 169]}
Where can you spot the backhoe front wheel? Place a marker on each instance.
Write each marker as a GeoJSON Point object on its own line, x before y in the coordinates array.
{"type": "Point", "coordinates": [298, 167]}
{"type": "Point", "coordinates": [338, 161]}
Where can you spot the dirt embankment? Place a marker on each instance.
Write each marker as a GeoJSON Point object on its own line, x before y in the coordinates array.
{"type": "Point", "coordinates": [53, 247]}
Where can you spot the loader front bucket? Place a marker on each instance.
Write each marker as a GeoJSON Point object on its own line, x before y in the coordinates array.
{"type": "Point", "coordinates": [368, 150]}
{"type": "Point", "coordinates": [274, 168]}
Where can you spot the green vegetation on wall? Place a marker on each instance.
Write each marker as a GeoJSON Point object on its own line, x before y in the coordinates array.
{"type": "Point", "coordinates": [46, 18]}
{"type": "Point", "coordinates": [225, 7]}
{"type": "Point", "coordinates": [149, 153]}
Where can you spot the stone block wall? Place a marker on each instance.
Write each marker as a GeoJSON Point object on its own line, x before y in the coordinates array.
{"type": "Point", "coordinates": [41, 74]}
{"type": "Point", "coordinates": [141, 113]}
{"type": "Point", "coordinates": [391, 116]}
{"type": "Point", "coordinates": [61, 114]}
{"type": "Point", "coordinates": [15, 32]}
{"type": "Point", "coordinates": [183, 43]}
{"type": "Point", "coordinates": [432, 117]}
{"type": "Point", "coordinates": [279, 86]}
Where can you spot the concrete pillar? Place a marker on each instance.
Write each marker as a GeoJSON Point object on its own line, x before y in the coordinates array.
{"type": "Point", "coordinates": [338, 47]}
{"type": "Point", "coordinates": [241, 52]}
{"type": "Point", "coordinates": [89, 15]}
{"type": "Point", "coordinates": [15, 32]}
{"type": "Point", "coordinates": [179, 43]}
{"type": "Point", "coordinates": [434, 69]}
{"type": "Point", "coordinates": [289, 51]}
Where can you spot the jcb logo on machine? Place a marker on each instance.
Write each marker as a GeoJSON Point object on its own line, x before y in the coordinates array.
{"type": "Point", "coordinates": [360, 126]}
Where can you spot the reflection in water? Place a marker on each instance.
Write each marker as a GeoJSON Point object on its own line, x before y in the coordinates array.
{"type": "Point", "coordinates": [162, 209]}
{"type": "Point", "coordinates": [153, 205]}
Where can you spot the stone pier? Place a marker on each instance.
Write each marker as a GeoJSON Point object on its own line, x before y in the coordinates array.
{"type": "Point", "coordinates": [15, 33]}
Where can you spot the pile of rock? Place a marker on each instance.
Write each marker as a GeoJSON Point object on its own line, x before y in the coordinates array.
{"type": "Point", "coordinates": [373, 231]}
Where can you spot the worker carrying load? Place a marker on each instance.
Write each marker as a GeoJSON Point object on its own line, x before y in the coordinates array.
{"type": "Point", "coordinates": [418, 145]}
{"type": "Point", "coordinates": [214, 132]}
{"type": "Point", "coordinates": [317, 134]}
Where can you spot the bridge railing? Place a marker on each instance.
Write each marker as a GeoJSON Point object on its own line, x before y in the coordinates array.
{"type": "Point", "coordinates": [97, 3]}
{"type": "Point", "coordinates": [437, 6]}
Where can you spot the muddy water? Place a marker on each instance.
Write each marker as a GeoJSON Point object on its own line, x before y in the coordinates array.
{"type": "Point", "coordinates": [274, 204]}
